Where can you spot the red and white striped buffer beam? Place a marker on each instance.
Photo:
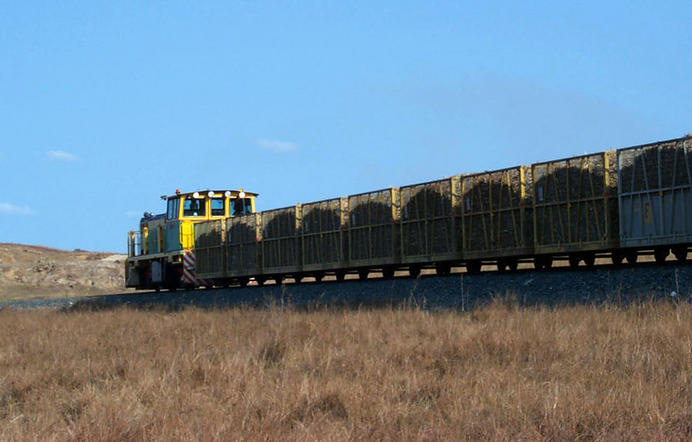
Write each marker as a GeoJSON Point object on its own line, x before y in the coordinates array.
{"type": "Point", "coordinates": [189, 276]}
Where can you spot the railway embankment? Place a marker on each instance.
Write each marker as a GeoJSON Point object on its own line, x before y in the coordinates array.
{"type": "Point", "coordinates": [597, 285]}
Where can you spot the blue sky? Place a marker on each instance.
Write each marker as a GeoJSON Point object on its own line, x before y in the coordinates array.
{"type": "Point", "coordinates": [106, 106]}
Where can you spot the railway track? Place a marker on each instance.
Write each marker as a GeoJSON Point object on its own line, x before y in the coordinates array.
{"type": "Point", "coordinates": [462, 291]}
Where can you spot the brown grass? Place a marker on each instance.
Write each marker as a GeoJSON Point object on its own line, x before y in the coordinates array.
{"type": "Point", "coordinates": [498, 373]}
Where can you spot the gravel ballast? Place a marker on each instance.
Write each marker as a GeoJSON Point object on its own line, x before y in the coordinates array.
{"type": "Point", "coordinates": [459, 291]}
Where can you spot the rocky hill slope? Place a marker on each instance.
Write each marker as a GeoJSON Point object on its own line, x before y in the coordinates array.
{"type": "Point", "coordinates": [32, 271]}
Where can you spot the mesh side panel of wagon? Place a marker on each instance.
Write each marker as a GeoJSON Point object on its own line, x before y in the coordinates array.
{"type": "Point", "coordinates": [372, 232]}
{"type": "Point", "coordinates": [496, 213]}
{"type": "Point", "coordinates": [322, 234]}
{"type": "Point", "coordinates": [280, 246]}
{"type": "Point", "coordinates": [655, 193]}
{"type": "Point", "coordinates": [209, 249]}
{"type": "Point", "coordinates": [574, 202]}
{"type": "Point", "coordinates": [242, 248]}
{"type": "Point", "coordinates": [428, 220]}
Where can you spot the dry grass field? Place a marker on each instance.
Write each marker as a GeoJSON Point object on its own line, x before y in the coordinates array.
{"type": "Point", "coordinates": [501, 372]}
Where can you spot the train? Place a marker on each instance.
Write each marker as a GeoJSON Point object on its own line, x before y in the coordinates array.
{"type": "Point", "coordinates": [617, 204]}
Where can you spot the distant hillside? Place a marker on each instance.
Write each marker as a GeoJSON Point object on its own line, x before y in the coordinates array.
{"type": "Point", "coordinates": [32, 271]}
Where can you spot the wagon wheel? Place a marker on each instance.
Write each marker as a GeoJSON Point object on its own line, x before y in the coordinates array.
{"type": "Point", "coordinates": [548, 262]}
{"type": "Point", "coordinates": [501, 265]}
{"type": "Point", "coordinates": [363, 274]}
{"type": "Point", "coordinates": [388, 272]}
{"type": "Point", "coordinates": [473, 267]}
{"type": "Point", "coordinates": [538, 262]}
{"type": "Point", "coordinates": [340, 275]}
{"type": "Point", "coordinates": [544, 262]}
{"type": "Point", "coordinates": [443, 268]}
{"type": "Point", "coordinates": [319, 276]}
{"type": "Point", "coordinates": [680, 253]}
{"type": "Point", "coordinates": [260, 280]}
{"type": "Point", "coordinates": [661, 253]}
{"type": "Point", "coordinates": [513, 264]}
{"type": "Point", "coordinates": [243, 281]}
{"type": "Point", "coordinates": [589, 259]}
{"type": "Point", "coordinates": [574, 260]}
{"type": "Point", "coordinates": [617, 257]}
{"type": "Point", "coordinates": [298, 278]}
{"type": "Point", "coordinates": [414, 271]}
{"type": "Point", "coordinates": [631, 256]}
{"type": "Point", "coordinates": [278, 279]}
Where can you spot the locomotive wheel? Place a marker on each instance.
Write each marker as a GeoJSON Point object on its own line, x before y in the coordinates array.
{"type": "Point", "coordinates": [172, 278]}
{"type": "Point", "coordinates": [660, 254]}
{"type": "Point", "coordinates": [631, 256]}
{"type": "Point", "coordinates": [363, 274]}
{"type": "Point", "coordinates": [512, 264]}
{"type": "Point", "coordinates": [340, 275]}
{"type": "Point", "coordinates": [574, 261]}
{"type": "Point", "coordinates": [680, 253]}
{"type": "Point", "coordinates": [443, 268]}
{"type": "Point", "coordinates": [414, 271]}
{"type": "Point", "coordinates": [388, 272]}
{"type": "Point", "coordinates": [473, 267]}
{"type": "Point", "coordinates": [589, 259]}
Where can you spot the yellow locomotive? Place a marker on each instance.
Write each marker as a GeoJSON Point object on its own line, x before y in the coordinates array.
{"type": "Point", "coordinates": [161, 254]}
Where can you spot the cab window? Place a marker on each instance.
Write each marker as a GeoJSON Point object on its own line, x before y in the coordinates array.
{"type": "Point", "coordinates": [217, 208]}
{"type": "Point", "coordinates": [173, 205]}
{"type": "Point", "coordinates": [193, 207]}
{"type": "Point", "coordinates": [241, 206]}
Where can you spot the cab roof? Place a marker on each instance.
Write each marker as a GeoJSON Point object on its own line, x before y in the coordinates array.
{"type": "Point", "coordinates": [205, 192]}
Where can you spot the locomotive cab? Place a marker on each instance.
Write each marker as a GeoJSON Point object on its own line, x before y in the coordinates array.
{"type": "Point", "coordinates": [155, 252]}
{"type": "Point", "coordinates": [184, 210]}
